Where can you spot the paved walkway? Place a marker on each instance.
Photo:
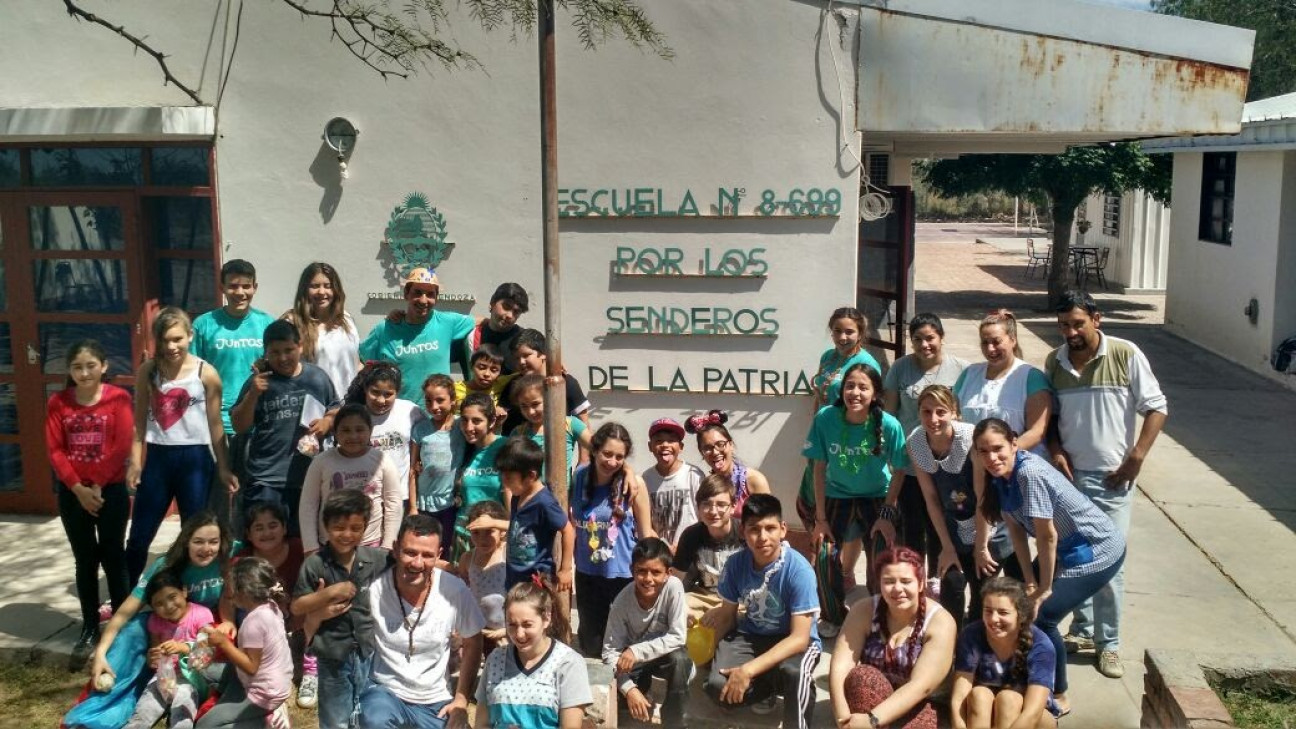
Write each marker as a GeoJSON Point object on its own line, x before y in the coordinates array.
{"type": "Point", "coordinates": [1212, 541]}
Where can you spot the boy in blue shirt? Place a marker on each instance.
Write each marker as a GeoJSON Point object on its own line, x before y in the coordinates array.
{"type": "Point", "coordinates": [229, 338]}
{"type": "Point", "coordinates": [534, 518]}
{"type": "Point", "coordinates": [774, 647]}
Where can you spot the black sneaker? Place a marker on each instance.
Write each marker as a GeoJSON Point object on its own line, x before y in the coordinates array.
{"type": "Point", "coordinates": [85, 645]}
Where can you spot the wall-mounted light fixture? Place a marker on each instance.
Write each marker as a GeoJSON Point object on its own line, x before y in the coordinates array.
{"type": "Point", "coordinates": [340, 135]}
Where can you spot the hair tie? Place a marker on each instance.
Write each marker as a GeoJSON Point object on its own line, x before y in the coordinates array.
{"type": "Point", "coordinates": [538, 581]}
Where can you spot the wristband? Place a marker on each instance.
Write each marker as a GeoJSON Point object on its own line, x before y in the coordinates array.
{"type": "Point", "coordinates": [889, 512]}
{"type": "Point", "coordinates": [873, 720]}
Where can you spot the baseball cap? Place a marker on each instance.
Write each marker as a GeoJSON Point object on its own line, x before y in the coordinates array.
{"type": "Point", "coordinates": [666, 425]}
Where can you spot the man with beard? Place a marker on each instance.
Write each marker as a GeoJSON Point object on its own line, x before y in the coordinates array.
{"type": "Point", "coordinates": [416, 606]}
{"type": "Point", "coordinates": [1101, 382]}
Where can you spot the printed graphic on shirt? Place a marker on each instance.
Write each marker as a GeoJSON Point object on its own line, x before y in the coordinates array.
{"type": "Point", "coordinates": [85, 436]}
{"type": "Point", "coordinates": [523, 547]}
{"type": "Point", "coordinates": [765, 610]}
{"type": "Point", "coordinates": [169, 407]}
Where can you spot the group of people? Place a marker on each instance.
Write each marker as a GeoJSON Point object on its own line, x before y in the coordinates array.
{"type": "Point", "coordinates": [353, 513]}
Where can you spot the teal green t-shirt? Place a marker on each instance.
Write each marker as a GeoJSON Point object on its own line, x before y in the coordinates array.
{"type": "Point", "coordinates": [231, 345]}
{"type": "Point", "coordinates": [831, 370]}
{"type": "Point", "coordinates": [480, 482]}
{"type": "Point", "coordinates": [575, 426]}
{"type": "Point", "coordinates": [203, 583]}
{"type": "Point", "coordinates": [847, 449]}
{"type": "Point", "coordinates": [418, 349]}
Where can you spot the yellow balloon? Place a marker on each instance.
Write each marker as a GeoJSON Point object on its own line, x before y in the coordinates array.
{"type": "Point", "coordinates": [700, 644]}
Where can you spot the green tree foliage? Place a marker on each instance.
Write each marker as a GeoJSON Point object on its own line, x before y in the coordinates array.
{"type": "Point", "coordinates": [1273, 68]}
{"type": "Point", "coordinates": [1061, 181]}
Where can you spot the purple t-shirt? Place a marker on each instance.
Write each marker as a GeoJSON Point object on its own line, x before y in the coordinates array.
{"type": "Point", "coordinates": [263, 629]}
{"type": "Point", "coordinates": [975, 656]}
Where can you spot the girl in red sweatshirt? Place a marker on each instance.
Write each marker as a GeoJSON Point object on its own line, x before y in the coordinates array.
{"type": "Point", "coordinates": [89, 426]}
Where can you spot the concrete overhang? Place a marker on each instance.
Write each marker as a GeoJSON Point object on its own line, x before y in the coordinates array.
{"type": "Point", "coordinates": [946, 77]}
{"type": "Point", "coordinates": [108, 124]}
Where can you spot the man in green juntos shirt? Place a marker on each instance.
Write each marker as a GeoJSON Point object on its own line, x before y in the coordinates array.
{"type": "Point", "coordinates": [421, 343]}
{"type": "Point", "coordinates": [229, 338]}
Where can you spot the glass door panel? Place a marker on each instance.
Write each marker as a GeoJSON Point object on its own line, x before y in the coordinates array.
{"type": "Point", "coordinates": [72, 264]}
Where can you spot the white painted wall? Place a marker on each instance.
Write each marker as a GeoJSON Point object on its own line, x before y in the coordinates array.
{"type": "Point", "coordinates": [749, 101]}
{"type": "Point", "coordinates": [1284, 306]}
{"type": "Point", "coordinates": [1140, 252]}
{"type": "Point", "coordinates": [1209, 284]}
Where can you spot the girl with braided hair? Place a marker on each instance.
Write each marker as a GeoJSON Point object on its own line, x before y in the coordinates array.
{"type": "Point", "coordinates": [717, 449]}
{"type": "Point", "coordinates": [858, 457]}
{"type": "Point", "coordinates": [611, 512]}
{"type": "Point", "coordinates": [1004, 665]}
{"type": "Point", "coordinates": [893, 650]}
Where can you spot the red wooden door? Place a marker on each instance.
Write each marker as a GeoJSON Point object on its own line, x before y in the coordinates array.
{"type": "Point", "coordinates": [70, 269]}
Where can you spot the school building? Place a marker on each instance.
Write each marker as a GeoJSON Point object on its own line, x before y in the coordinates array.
{"type": "Point", "coordinates": [717, 206]}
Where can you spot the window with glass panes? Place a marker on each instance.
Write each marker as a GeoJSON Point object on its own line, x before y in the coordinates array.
{"type": "Point", "coordinates": [176, 198]}
{"type": "Point", "coordinates": [1219, 173]}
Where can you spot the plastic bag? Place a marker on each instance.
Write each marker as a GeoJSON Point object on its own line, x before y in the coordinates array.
{"type": "Point", "coordinates": [166, 678]}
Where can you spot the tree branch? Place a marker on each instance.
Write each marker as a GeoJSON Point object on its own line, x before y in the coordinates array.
{"type": "Point", "coordinates": [381, 39]}
{"type": "Point", "coordinates": [81, 14]}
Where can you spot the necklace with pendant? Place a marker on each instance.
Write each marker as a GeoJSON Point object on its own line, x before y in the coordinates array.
{"type": "Point", "coordinates": [421, 606]}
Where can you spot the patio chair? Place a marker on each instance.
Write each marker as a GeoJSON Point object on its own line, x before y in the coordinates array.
{"type": "Point", "coordinates": [1096, 265]}
{"type": "Point", "coordinates": [1038, 260]}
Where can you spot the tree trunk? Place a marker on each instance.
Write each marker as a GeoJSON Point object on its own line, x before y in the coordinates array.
{"type": "Point", "coordinates": [1059, 277]}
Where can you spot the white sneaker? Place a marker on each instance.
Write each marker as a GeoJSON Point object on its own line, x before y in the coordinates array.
{"type": "Point", "coordinates": [278, 719]}
{"type": "Point", "coordinates": [308, 691]}
{"type": "Point", "coordinates": [765, 706]}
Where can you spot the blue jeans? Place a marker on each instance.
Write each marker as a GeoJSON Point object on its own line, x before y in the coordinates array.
{"type": "Point", "coordinates": [340, 686]}
{"type": "Point", "coordinates": [1099, 617]}
{"type": "Point", "coordinates": [1069, 592]}
{"type": "Point", "coordinates": [183, 473]}
{"type": "Point", "coordinates": [382, 709]}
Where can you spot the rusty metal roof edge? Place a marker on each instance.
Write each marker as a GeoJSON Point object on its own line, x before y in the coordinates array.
{"type": "Point", "coordinates": [1136, 30]}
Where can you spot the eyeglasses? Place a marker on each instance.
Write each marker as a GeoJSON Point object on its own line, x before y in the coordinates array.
{"type": "Point", "coordinates": [716, 505]}
{"type": "Point", "coordinates": [715, 447]}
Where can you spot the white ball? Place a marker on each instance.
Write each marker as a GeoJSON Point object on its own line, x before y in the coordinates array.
{"type": "Point", "coordinates": [104, 682]}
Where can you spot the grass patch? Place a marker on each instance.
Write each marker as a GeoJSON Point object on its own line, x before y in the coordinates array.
{"type": "Point", "coordinates": [1259, 703]}
{"type": "Point", "coordinates": [36, 695]}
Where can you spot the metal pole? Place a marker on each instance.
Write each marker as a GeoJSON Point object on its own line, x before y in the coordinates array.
{"type": "Point", "coordinates": [555, 425]}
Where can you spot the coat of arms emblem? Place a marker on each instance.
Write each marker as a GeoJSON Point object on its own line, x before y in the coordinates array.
{"type": "Point", "coordinates": [416, 234]}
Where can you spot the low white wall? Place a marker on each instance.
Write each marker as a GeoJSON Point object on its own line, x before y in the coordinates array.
{"type": "Point", "coordinates": [1140, 251]}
